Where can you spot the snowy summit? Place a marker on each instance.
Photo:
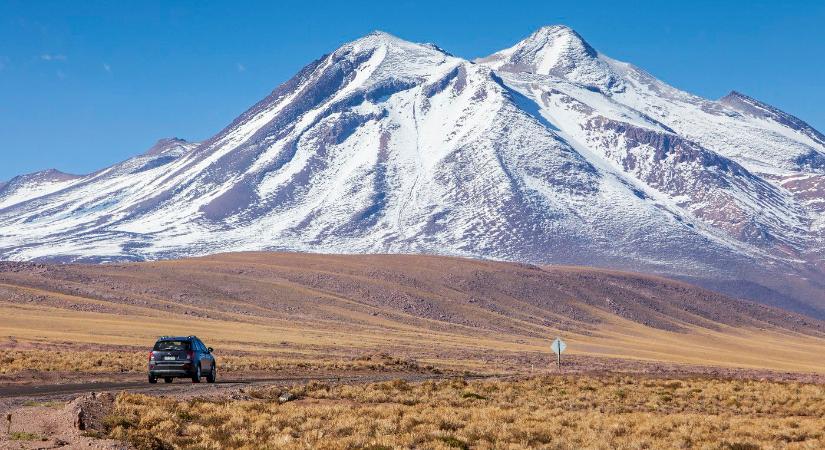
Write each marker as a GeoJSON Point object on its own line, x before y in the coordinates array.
{"type": "Point", "coordinates": [545, 152]}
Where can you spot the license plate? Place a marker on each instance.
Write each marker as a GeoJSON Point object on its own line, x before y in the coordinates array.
{"type": "Point", "coordinates": [169, 358]}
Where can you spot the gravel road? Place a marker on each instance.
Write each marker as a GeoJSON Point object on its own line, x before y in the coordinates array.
{"type": "Point", "coordinates": [62, 390]}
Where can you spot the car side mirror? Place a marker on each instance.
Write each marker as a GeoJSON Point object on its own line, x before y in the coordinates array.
{"type": "Point", "coordinates": [209, 349]}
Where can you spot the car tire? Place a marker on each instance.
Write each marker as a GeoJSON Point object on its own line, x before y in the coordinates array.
{"type": "Point", "coordinates": [196, 377]}
{"type": "Point", "coordinates": [167, 380]}
{"type": "Point", "coordinates": [213, 374]}
{"type": "Point", "coordinates": [153, 379]}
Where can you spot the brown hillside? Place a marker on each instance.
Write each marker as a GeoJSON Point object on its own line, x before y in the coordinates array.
{"type": "Point", "coordinates": [428, 307]}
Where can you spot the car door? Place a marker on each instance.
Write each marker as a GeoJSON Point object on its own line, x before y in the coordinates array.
{"type": "Point", "coordinates": [199, 355]}
{"type": "Point", "coordinates": [209, 355]}
{"type": "Point", "coordinates": [205, 357]}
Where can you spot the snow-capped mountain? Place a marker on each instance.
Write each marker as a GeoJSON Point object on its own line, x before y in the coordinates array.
{"type": "Point", "coordinates": [546, 152]}
{"type": "Point", "coordinates": [38, 184]}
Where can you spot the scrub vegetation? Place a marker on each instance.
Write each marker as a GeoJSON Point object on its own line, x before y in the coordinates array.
{"type": "Point", "coordinates": [17, 361]}
{"type": "Point", "coordinates": [557, 412]}
{"type": "Point", "coordinates": [450, 312]}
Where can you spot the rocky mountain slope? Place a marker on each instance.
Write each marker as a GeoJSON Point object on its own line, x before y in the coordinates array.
{"type": "Point", "coordinates": [546, 152]}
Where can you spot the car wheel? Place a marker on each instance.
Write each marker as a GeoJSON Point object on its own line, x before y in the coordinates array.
{"type": "Point", "coordinates": [196, 378]}
{"type": "Point", "coordinates": [153, 379]}
{"type": "Point", "coordinates": [167, 380]}
{"type": "Point", "coordinates": [213, 374]}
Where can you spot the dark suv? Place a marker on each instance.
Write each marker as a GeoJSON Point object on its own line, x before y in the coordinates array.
{"type": "Point", "coordinates": [181, 357]}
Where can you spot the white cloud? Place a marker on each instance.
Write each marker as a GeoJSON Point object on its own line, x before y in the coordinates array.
{"type": "Point", "coordinates": [241, 67]}
{"type": "Point", "coordinates": [107, 67]}
{"type": "Point", "coordinates": [53, 57]}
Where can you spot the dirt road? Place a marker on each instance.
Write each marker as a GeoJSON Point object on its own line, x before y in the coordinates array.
{"type": "Point", "coordinates": [182, 386]}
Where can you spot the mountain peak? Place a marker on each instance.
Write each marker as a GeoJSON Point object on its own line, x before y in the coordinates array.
{"type": "Point", "coordinates": [380, 55]}
{"type": "Point", "coordinates": [543, 51]}
{"type": "Point", "coordinates": [381, 34]}
{"type": "Point", "coordinates": [39, 177]}
{"type": "Point", "coordinates": [381, 37]}
{"type": "Point", "coordinates": [377, 39]}
{"type": "Point", "coordinates": [552, 35]}
{"type": "Point", "coordinates": [753, 107]}
{"type": "Point", "coordinates": [736, 95]}
{"type": "Point", "coordinates": [167, 145]}
{"type": "Point", "coordinates": [555, 50]}
{"type": "Point", "coordinates": [49, 175]}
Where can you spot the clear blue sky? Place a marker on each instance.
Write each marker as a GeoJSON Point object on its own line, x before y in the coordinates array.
{"type": "Point", "coordinates": [86, 84]}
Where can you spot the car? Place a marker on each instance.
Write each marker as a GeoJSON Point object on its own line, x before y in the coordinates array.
{"type": "Point", "coordinates": [181, 357]}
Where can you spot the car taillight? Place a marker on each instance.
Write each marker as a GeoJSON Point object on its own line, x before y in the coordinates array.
{"type": "Point", "coordinates": [151, 355]}
{"type": "Point", "coordinates": [190, 355]}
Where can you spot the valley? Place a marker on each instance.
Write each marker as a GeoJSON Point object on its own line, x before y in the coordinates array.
{"type": "Point", "coordinates": [453, 312]}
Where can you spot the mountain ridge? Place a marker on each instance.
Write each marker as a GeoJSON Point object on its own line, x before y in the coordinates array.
{"type": "Point", "coordinates": [545, 152]}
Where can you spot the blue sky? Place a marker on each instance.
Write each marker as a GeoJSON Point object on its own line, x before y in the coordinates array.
{"type": "Point", "coordinates": [86, 84]}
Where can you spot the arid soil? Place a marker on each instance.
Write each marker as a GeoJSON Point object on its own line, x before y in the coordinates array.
{"type": "Point", "coordinates": [408, 288]}
{"type": "Point", "coordinates": [453, 312]}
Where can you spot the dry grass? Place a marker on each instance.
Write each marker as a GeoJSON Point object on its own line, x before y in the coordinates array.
{"type": "Point", "coordinates": [617, 338]}
{"type": "Point", "coordinates": [16, 361]}
{"type": "Point", "coordinates": [480, 315]}
{"type": "Point", "coordinates": [546, 412]}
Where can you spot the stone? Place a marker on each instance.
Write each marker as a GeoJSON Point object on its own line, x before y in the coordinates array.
{"type": "Point", "coordinates": [287, 397]}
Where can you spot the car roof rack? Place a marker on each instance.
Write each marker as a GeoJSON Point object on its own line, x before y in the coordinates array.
{"type": "Point", "coordinates": [191, 336]}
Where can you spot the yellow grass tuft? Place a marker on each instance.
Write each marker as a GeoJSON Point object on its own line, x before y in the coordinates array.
{"type": "Point", "coordinates": [15, 361]}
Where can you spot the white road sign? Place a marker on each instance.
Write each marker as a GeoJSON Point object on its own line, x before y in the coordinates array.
{"type": "Point", "coordinates": [558, 346]}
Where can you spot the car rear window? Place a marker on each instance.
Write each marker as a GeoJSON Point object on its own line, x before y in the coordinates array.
{"type": "Point", "coordinates": [172, 346]}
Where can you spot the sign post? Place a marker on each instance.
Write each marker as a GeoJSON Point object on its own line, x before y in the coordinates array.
{"type": "Point", "coordinates": [558, 346]}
